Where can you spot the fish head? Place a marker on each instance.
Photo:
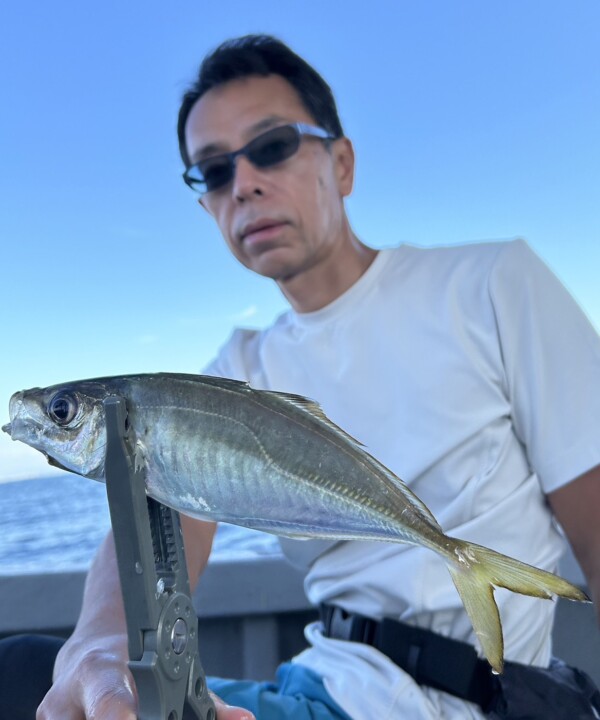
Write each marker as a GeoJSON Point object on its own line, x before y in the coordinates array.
{"type": "Point", "coordinates": [64, 422]}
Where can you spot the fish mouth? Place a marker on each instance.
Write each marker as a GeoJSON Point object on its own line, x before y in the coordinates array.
{"type": "Point", "coordinates": [7, 428]}
{"type": "Point", "coordinates": [55, 463]}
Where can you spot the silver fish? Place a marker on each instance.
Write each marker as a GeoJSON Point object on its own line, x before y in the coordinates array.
{"type": "Point", "coordinates": [219, 450]}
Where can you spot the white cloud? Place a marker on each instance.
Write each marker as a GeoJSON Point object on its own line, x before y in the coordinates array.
{"type": "Point", "coordinates": [245, 314]}
{"type": "Point", "coordinates": [211, 319]}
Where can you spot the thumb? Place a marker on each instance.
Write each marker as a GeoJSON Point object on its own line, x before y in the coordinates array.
{"type": "Point", "coordinates": [228, 712]}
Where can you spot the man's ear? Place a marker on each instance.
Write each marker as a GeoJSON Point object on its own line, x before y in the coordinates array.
{"type": "Point", "coordinates": [343, 155]}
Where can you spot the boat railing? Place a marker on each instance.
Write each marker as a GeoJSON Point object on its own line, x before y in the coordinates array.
{"type": "Point", "coordinates": [251, 615]}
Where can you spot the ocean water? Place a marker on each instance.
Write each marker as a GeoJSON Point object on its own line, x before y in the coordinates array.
{"type": "Point", "coordinates": [55, 524]}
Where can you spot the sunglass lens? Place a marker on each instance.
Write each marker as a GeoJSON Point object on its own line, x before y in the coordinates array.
{"type": "Point", "coordinates": [270, 148]}
{"type": "Point", "coordinates": [216, 172]}
{"type": "Point", "coordinates": [274, 146]}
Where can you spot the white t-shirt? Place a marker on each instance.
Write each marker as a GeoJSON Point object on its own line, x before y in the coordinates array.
{"type": "Point", "coordinates": [472, 374]}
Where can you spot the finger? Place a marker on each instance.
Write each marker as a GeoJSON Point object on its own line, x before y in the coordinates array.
{"type": "Point", "coordinates": [228, 712]}
{"type": "Point", "coordinates": [113, 706]}
{"type": "Point", "coordinates": [108, 696]}
{"type": "Point", "coordinates": [114, 698]}
{"type": "Point", "coordinates": [59, 704]}
{"type": "Point", "coordinates": [49, 709]}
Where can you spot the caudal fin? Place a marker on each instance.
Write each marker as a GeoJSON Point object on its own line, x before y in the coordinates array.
{"type": "Point", "coordinates": [478, 569]}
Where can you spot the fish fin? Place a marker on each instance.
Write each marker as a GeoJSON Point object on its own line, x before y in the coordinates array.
{"type": "Point", "coordinates": [216, 381]}
{"type": "Point", "coordinates": [312, 407]}
{"type": "Point", "coordinates": [478, 569]}
{"type": "Point", "coordinates": [299, 401]}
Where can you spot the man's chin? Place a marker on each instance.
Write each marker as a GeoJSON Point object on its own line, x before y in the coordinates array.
{"type": "Point", "coordinates": [273, 262]}
{"type": "Point", "coordinates": [273, 271]}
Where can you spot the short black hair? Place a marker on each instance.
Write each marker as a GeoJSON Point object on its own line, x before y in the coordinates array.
{"type": "Point", "coordinates": [261, 55]}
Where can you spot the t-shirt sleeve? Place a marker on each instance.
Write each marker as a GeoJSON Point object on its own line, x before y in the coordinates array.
{"type": "Point", "coordinates": [231, 360]}
{"type": "Point", "coordinates": [551, 357]}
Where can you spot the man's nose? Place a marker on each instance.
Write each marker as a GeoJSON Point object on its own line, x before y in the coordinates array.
{"type": "Point", "coordinates": [247, 179]}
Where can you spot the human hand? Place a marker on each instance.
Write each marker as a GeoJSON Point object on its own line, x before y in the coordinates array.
{"type": "Point", "coordinates": [92, 681]}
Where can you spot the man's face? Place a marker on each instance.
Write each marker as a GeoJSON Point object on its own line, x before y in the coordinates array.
{"type": "Point", "coordinates": [283, 219]}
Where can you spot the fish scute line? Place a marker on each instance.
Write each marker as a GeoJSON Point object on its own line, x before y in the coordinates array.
{"type": "Point", "coordinates": [396, 483]}
{"type": "Point", "coordinates": [252, 395]}
{"type": "Point", "coordinates": [329, 486]}
{"type": "Point", "coordinates": [261, 447]}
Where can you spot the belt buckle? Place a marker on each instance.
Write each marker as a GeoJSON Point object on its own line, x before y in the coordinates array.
{"type": "Point", "coordinates": [342, 625]}
{"type": "Point", "coordinates": [339, 623]}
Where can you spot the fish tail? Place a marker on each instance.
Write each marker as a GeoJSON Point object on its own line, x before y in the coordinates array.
{"type": "Point", "coordinates": [476, 570]}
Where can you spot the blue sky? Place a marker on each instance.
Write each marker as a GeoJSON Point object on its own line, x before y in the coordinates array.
{"type": "Point", "coordinates": [471, 121]}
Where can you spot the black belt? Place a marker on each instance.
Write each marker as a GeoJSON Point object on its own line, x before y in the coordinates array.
{"type": "Point", "coordinates": [431, 659]}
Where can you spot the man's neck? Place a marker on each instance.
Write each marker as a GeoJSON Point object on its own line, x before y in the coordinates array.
{"type": "Point", "coordinates": [326, 281]}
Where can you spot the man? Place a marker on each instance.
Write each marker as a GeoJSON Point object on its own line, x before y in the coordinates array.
{"type": "Point", "coordinates": [468, 371]}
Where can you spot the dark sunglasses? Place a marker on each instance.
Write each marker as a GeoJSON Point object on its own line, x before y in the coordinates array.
{"type": "Point", "coordinates": [269, 148]}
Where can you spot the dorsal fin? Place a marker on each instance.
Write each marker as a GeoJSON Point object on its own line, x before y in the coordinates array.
{"type": "Point", "coordinates": [217, 381]}
{"type": "Point", "coordinates": [299, 401]}
{"type": "Point", "coordinates": [313, 408]}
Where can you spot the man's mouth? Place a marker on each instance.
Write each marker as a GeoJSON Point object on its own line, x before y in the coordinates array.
{"type": "Point", "coordinates": [261, 230]}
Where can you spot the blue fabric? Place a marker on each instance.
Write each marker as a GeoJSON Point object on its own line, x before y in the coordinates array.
{"type": "Point", "coordinates": [297, 694]}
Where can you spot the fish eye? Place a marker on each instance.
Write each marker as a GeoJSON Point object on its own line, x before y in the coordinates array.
{"type": "Point", "coordinates": [63, 407]}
